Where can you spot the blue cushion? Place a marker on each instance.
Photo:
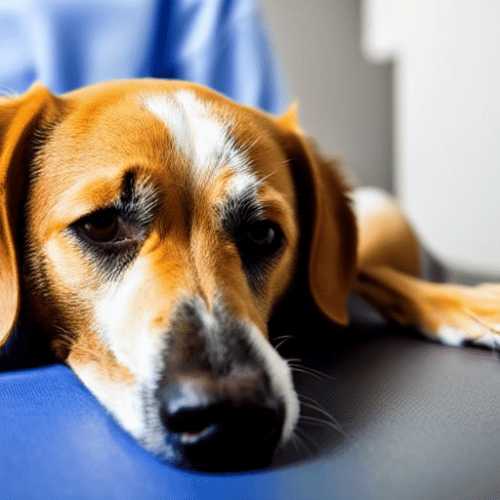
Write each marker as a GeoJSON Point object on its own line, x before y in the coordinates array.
{"type": "Point", "coordinates": [57, 442]}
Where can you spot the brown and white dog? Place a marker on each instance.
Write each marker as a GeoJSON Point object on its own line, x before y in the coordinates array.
{"type": "Point", "coordinates": [150, 229]}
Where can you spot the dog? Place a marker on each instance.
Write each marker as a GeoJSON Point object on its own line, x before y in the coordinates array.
{"type": "Point", "coordinates": [152, 230]}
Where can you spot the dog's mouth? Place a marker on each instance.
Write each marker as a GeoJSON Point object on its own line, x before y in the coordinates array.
{"type": "Point", "coordinates": [213, 453]}
{"type": "Point", "coordinates": [210, 394]}
{"type": "Point", "coordinates": [192, 438]}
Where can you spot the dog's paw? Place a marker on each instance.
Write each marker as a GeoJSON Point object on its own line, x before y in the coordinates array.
{"type": "Point", "coordinates": [455, 337]}
{"type": "Point", "coordinates": [471, 316]}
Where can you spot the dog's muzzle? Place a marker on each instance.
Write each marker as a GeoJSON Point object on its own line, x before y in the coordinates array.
{"type": "Point", "coordinates": [216, 399]}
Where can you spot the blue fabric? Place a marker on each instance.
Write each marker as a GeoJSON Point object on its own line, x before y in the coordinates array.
{"type": "Point", "coordinates": [220, 43]}
{"type": "Point", "coordinates": [57, 442]}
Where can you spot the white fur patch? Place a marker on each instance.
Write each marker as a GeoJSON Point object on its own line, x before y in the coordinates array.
{"type": "Point", "coordinates": [455, 337]}
{"type": "Point", "coordinates": [489, 339]}
{"type": "Point", "coordinates": [123, 319]}
{"type": "Point", "coordinates": [196, 133]}
{"type": "Point", "coordinates": [451, 336]}
{"type": "Point", "coordinates": [280, 376]}
{"type": "Point", "coordinates": [242, 183]}
{"type": "Point", "coordinates": [121, 399]}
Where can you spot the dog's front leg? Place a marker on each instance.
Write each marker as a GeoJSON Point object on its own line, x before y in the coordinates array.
{"type": "Point", "coordinates": [388, 269]}
{"type": "Point", "coordinates": [452, 314]}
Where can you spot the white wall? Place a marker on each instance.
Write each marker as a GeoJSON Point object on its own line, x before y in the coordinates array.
{"type": "Point", "coordinates": [344, 101]}
{"type": "Point", "coordinates": [447, 121]}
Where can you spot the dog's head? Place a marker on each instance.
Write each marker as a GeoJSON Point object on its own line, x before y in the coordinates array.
{"type": "Point", "coordinates": [150, 228]}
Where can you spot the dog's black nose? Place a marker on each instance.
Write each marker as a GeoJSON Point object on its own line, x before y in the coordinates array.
{"type": "Point", "coordinates": [220, 426]}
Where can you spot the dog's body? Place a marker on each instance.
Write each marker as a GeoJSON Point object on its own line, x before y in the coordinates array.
{"type": "Point", "coordinates": [150, 228]}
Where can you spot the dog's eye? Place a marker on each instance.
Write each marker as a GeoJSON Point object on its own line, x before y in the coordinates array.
{"type": "Point", "coordinates": [102, 226]}
{"type": "Point", "coordinates": [262, 238]}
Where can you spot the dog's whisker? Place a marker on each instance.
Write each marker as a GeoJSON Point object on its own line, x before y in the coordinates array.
{"type": "Point", "coordinates": [296, 369]}
{"type": "Point", "coordinates": [310, 403]}
{"type": "Point", "coordinates": [274, 171]}
{"type": "Point", "coordinates": [281, 337]}
{"type": "Point", "coordinates": [309, 371]}
{"type": "Point", "coordinates": [315, 421]}
{"type": "Point", "coordinates": [294, 439]}
{"type": "Point", "coordinates": [300, 443]}
{"type": "Point", "coordinates": [269, 175]}
{"type": "Point", "coordinates": [300, 446]}
{"type": "Point", "coordinates": [300, 433]}
{"type": "Point", "coordinates": [282, 340]}
{"type": "Point", "coordinates": [313, 404]}
{"type": "Point", "coordinates": [277, 346]}
{"type": "Point", "coordinates": [328, 420]}
{"type": "Point", "coordinates": [247, 148]}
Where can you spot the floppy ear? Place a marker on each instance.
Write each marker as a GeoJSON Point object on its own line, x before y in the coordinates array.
{"type": "Point", "coordinates": [331, 247]}
{"type": "Point", "coordinates": [18, 119]}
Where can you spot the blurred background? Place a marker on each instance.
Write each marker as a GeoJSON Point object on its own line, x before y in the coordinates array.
{"type": "Point", "coordinates": [345, 100]}
{"type": "Point", "coordinates": [407, 92]}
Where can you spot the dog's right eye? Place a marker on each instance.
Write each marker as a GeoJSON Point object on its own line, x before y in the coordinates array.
{"type": "Point", "coordinates": [261, 239]}
{"type": "Point", "coordinates": [102, 226]}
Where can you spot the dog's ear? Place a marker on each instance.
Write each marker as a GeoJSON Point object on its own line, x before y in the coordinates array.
{"type": "Point", "coordinates": [19, 117]}
{"type": "Point", "coordinates": [326, 218]}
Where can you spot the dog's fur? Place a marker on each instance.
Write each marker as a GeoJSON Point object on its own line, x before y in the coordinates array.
{"type": "Point", "coordinates": [150, 228]}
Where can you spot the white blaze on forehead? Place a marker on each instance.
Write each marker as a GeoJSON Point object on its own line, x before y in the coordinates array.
{"type": "Point", "coordinates": [197, 133]}
{"type": "Point", "coordinates": [241, 183]}
{"type": "Point", "coordinates": [205, 141]}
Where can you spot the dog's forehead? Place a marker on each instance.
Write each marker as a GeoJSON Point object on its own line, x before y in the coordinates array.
{"type": "Point", "coordinates": [199, 123]}
{"type": "Point", "coordinates": [170, 126]}
{"type": "Point", "coordinates": [195, 129]}
{"type": "Point", "coordinates": [180, 135]}
{"type": "Point", "coordinates": [213, 135]}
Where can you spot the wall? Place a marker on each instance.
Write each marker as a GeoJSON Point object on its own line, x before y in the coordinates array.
{"type": "Point", "coordinates": [344, 101]}
{"type": "Point", "coordinates": [447, 122]}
